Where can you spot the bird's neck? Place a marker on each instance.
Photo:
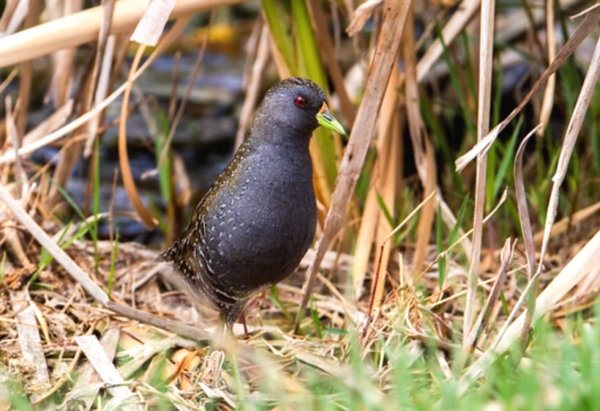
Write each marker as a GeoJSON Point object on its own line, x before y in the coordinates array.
{"type": "Point", "coordinates": [281, 154]}
{"type": "Point", "coordinates": [281, 133]}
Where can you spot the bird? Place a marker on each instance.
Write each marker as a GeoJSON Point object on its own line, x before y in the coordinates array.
{"type": "Point", "coordinates": [258, 219]}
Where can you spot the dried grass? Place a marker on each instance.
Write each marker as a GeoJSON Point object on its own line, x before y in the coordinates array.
{"type": "Point", "coordinates": [68, 337]}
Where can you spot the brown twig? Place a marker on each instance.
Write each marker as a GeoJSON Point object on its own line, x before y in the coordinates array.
{"type": "Point", "coordinates": [362, 134]}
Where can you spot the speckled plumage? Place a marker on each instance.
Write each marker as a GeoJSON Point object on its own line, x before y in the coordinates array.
{"type": "Point", "coordinates": [258, 219]}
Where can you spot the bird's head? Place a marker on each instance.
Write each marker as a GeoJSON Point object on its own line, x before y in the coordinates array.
{"type": "Point", "coordinates": [297, 104]}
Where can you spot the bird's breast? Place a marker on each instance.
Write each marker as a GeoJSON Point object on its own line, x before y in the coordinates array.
{"type": "Point", "coordinates": [261, 225]}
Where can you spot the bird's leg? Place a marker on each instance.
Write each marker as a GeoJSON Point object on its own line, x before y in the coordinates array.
{"type": "Point", "coordinates": [233, 312]}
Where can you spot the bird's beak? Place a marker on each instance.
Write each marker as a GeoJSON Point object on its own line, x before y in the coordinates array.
{"type": "Point", "coordinates": [326, 119]}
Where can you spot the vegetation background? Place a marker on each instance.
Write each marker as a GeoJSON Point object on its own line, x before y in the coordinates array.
{"type": "Point", "coordinates": [457, 260]}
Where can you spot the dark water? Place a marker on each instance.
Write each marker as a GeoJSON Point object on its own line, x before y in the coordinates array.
{"type": "Point", "coordinates": [204, 137]}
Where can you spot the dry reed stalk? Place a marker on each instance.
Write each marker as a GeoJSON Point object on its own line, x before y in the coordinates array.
{"type": "Point", "coordinates": [62, 60]}
{"type": "Point", "coordinates": [329, 57]}
{"type": "Point", "coordinates": [26, 76]}
{"type": "Point", "coordinates": [506, 256]}
{"type": "Point", "coordinates": [362, 134]}
{"type": "Point", "coordinates": [525, 221]}
{"type": "Point", "coordinates": [83, 27]}
{"type": "Point", "coordinates": [455, 25]}
{"type": "Point", "coordinates": [422, 149]}
{"type": "Point", "coordinates": [521, 200]}
{"type": "Point", "coordinates": [13, 15]}
{"type": "Point", "coordinates": [372, 213]}
{"type": "Point", "coordinates": [361, 14]}
{"type": "Point", "coordinates": [569, 221]}
{"type": "Point", "coordinates": [484, 100]}
{"type": "Point", "coordinates": [145, 215]}
{"type": "Point", "coordinates": [590, 22]}
{"type": "Point", "coordinates": [151, 25]}
{"type": "Point", "coordinates": [13, 136]}
{"type": "Point", "coordinates": [261, 57]}
{"type": "Point", "coordinates": [548, 100]}
{"type": "Point", "coordinates": [387, 190]}
{"type": "Point", "coordinates": [101, 74]}
{"type": "Point", "coordinates": [575, 124]}
{"type": "Point", "coordinates": [63, 69]}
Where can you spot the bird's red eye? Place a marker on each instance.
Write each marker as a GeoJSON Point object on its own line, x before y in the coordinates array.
{"type": "Point", "coordinates": [300, 101]}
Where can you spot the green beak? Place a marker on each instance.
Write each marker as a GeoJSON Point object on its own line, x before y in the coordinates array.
{"type": "Point", "coordinates": [326, 119]}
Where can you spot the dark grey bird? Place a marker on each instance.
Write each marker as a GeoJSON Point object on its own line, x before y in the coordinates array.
{"type": "Point", "coordinates": [258, 219]}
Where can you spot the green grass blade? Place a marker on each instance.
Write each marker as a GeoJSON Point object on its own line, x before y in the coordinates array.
{"type": "Point", "coordinates": [280, 30]}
